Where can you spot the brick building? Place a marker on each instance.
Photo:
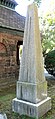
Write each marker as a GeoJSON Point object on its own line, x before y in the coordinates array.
{"type": "Point", "coordinates": [11, 37]}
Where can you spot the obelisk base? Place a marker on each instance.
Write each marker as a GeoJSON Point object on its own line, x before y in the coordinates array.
{"type": "Point", "coordinates": [31, 109]}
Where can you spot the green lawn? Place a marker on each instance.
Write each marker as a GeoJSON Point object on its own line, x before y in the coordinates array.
{"type": "Point", "coordinates": [7, 94]}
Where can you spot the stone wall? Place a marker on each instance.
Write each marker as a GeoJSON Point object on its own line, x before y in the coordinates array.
{"type": "Point", "coordinates": [9, 69]}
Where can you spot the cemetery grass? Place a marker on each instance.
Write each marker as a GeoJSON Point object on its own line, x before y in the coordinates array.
{"type": "Point", "coordinates": [8, 93]}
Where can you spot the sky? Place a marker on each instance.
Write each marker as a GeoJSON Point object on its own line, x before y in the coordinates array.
{"type": "Point", "coordinates": [44, 7]}
{"type": "Point", "coordinates": [22, 6]}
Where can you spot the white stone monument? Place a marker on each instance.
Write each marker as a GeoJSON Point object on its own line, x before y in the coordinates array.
{"type": "Point", "coordinates": [3, 116]}
{"type": "Point", "coordinates": [31, 97]}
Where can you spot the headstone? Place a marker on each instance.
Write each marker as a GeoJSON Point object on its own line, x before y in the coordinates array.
{"type": "Point", "coordinates": [31, 97]}
{"type": "Point", "coordinates": [3, 116]}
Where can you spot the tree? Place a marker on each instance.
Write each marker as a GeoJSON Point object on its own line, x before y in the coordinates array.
{"type": "Point", "coordinates": [38, 2]}
{"type": "Point", "coordinates": [47, 26]}
{"type": "Point", "coordinates": [50, 62]}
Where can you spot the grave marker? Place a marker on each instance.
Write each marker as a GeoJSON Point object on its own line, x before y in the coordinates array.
{"type": "Point", "coordinates": [3, 116]}
{"type": "Point", "coordinates": [31, 98]}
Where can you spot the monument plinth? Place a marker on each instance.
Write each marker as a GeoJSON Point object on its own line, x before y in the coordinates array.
{"type": "Point", "coordinates": [31, 97]}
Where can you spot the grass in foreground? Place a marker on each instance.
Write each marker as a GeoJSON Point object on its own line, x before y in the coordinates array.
{"type": "Point", "coordinates": [7, 94]}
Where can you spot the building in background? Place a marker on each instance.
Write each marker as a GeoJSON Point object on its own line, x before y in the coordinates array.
{"type": "Point", "coordinates": [11, 37]}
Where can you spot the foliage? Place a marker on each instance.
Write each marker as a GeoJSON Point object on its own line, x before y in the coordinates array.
{"type": "Point", "coordinates": [47, 27]}
{"type": "Point", "coordinates": [50, 62]}
{"type": "Point", "coordinates": [38, 2]}
{"type": "Point", "coordinates": [20, 51]}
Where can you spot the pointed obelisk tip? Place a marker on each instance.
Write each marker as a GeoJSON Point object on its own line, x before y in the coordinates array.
{"type": "Point", "coordinates": [33, 4]}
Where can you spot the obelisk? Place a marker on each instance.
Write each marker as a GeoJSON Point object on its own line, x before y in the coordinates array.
{"type": "Point", "coordinates": [31, 96]}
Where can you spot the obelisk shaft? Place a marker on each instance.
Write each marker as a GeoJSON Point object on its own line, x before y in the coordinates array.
{"type": "Point", "coordinates": [32, 68]}
{"type": "Point", "coordinates": [31, 97]}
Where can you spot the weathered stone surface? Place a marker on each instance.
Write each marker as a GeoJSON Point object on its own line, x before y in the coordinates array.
{"type": "Point", "coordinates": [31, 109]}
{"type": "Point", "coordinates": [3, 116]}
{"type": "Point", "coordinates": [27, 91]}
{"type": "Point", "coordinates": [32, 86]}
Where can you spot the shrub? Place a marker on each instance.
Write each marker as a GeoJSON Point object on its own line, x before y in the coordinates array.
{"type": "Point", "coordinates": [50, 62]}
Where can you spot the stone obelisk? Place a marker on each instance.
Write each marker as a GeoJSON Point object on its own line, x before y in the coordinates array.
{"type": "Point", "coordinates": [31, 97]}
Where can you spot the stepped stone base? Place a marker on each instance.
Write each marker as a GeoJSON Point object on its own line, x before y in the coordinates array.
{"type": "Point", "coordinates": [31, 109]}
{"type": "Point", "coordinates": [27, 91]}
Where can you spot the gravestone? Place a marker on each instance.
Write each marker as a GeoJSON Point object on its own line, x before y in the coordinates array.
{"type": "Point", "coordinates": [3, 116]}
{"type": "Point", "coordinates": [31, 96]}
